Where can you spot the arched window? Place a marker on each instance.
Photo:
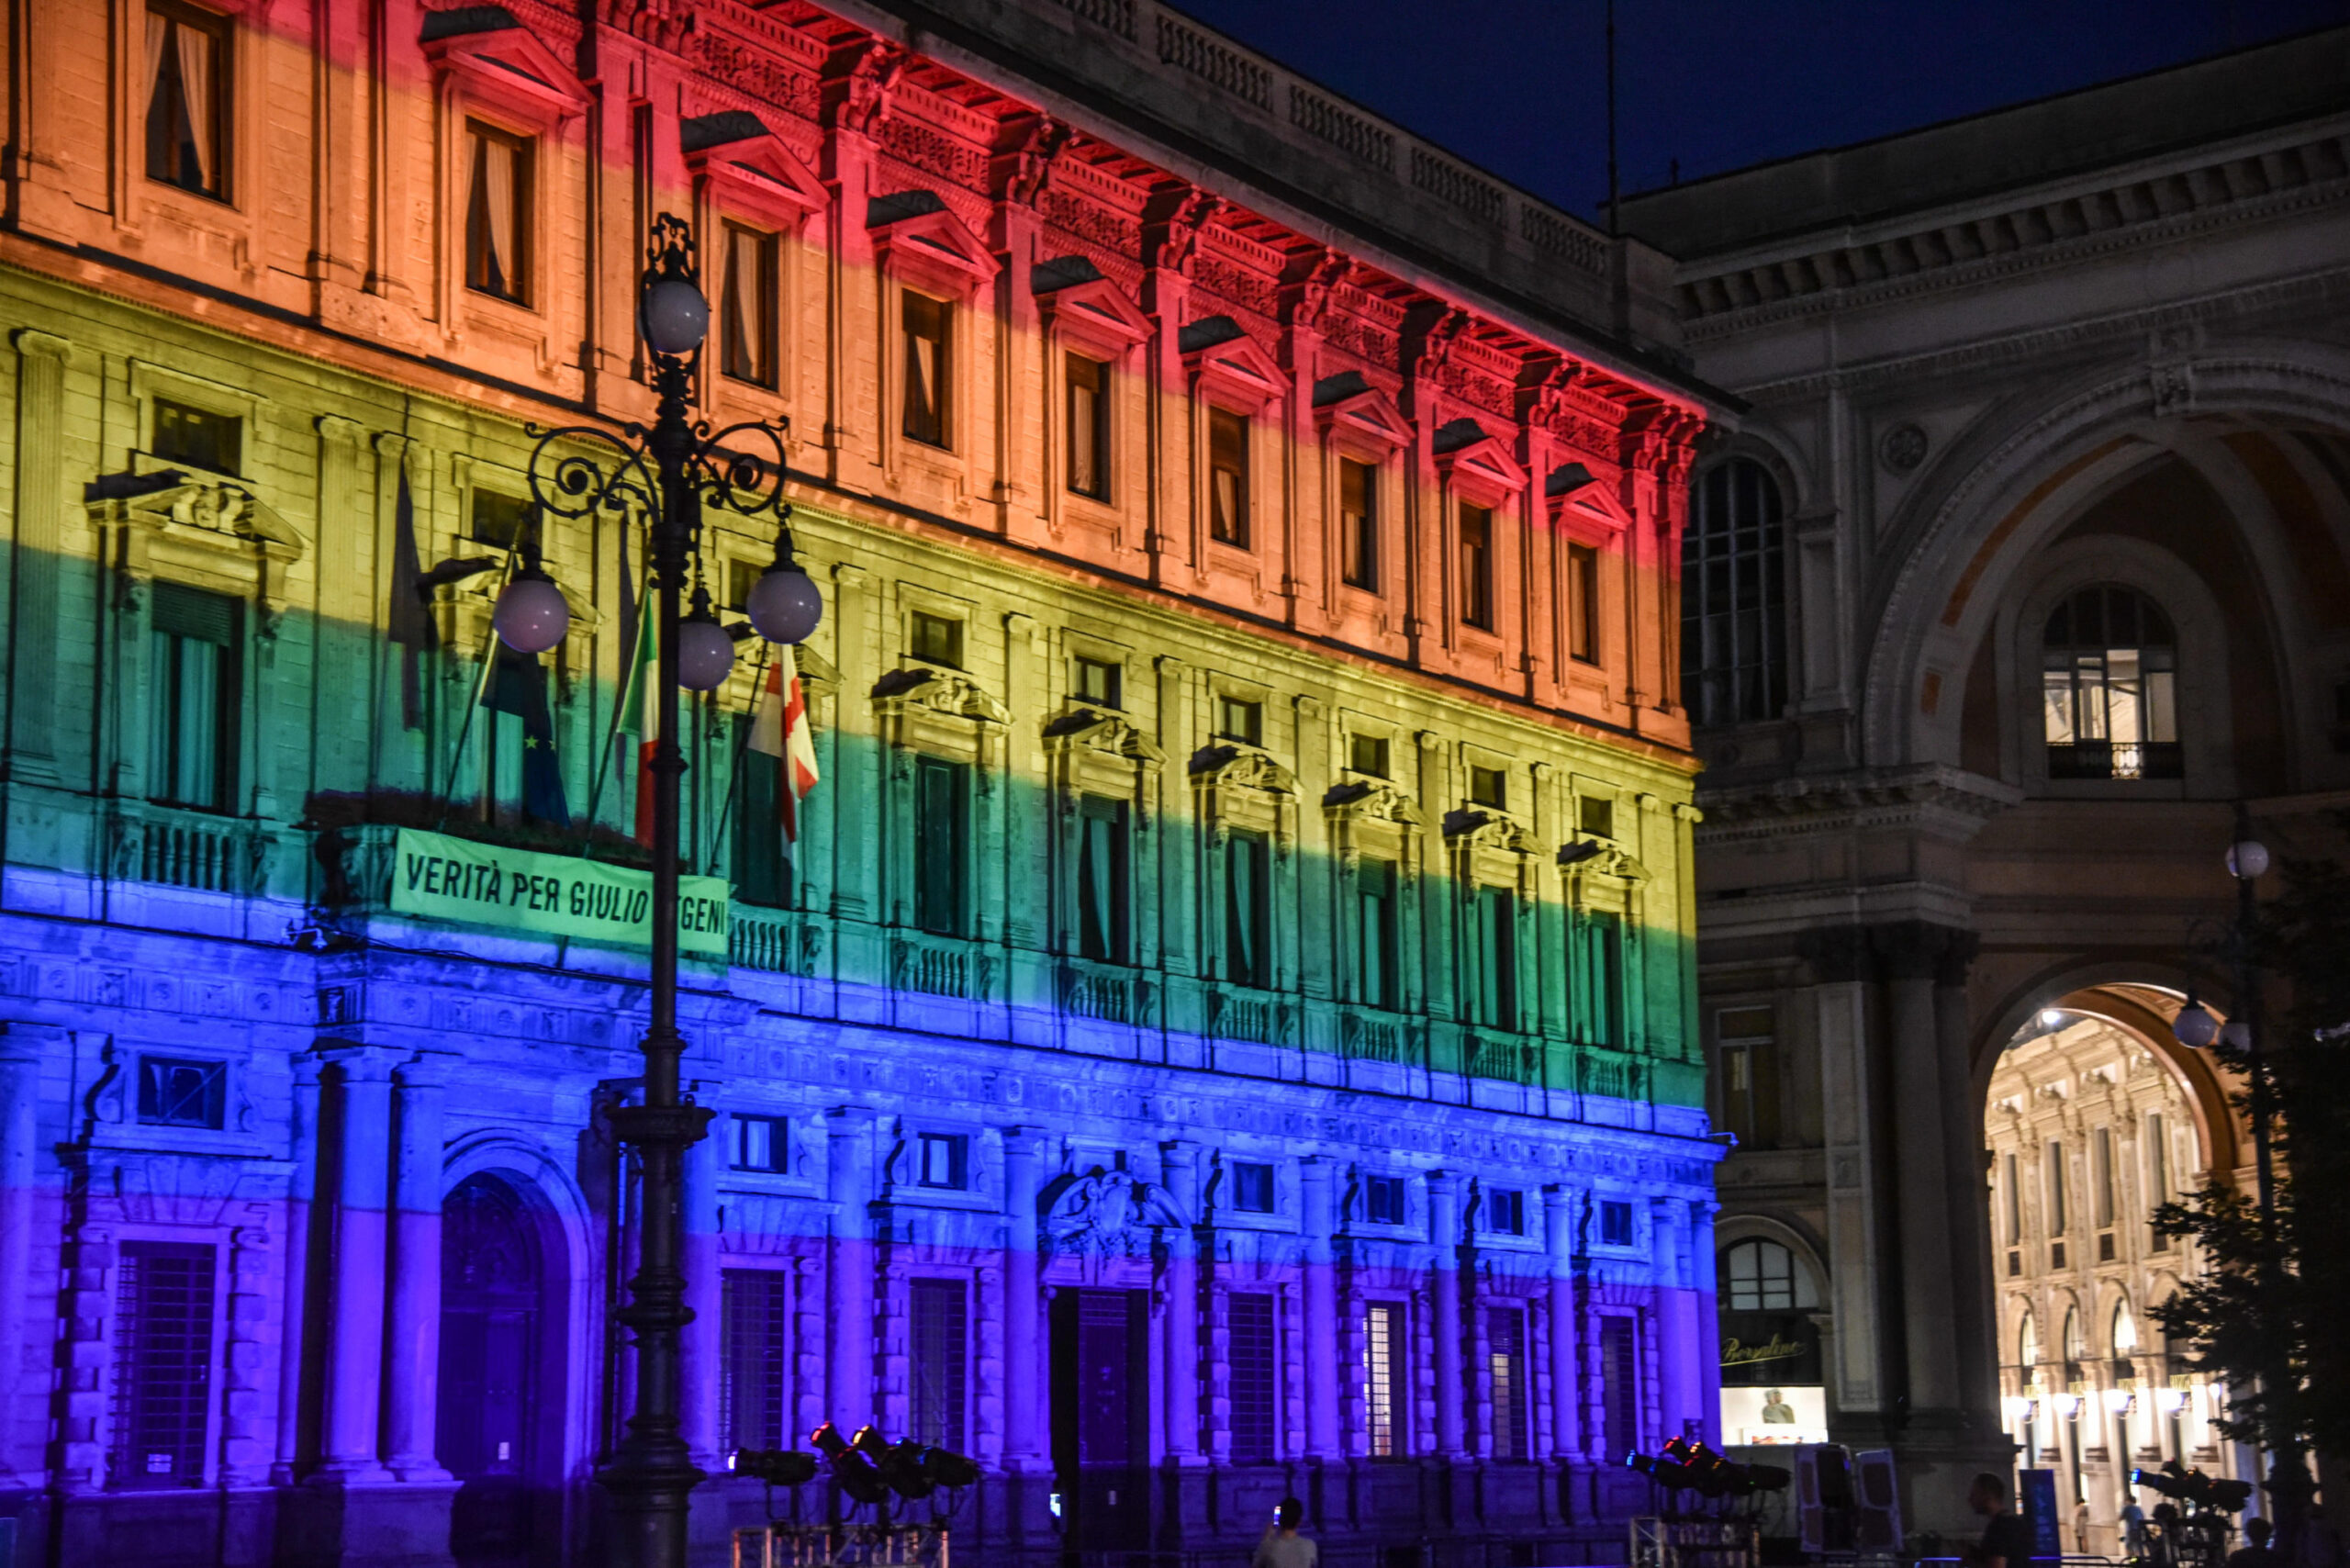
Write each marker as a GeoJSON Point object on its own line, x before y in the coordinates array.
{"type": "Point", "coordinates": [1734, 597]}
{"type": "Point", "coordinates": [2076, 1344]}
{"type": "Point", "coordinates": [2028, 1345]}
{"type": "Point", "coordinates": [2108, 678]}
{"type": "Point", "coordinates": [2125, 1329]}
{"type": "Point", "coordinates": [1762, 1276]}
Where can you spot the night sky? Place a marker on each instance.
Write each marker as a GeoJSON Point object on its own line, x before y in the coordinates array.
{"type": "Point", "coordinates": [1519, 86]}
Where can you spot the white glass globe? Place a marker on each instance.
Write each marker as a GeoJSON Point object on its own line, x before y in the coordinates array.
{"type": "Point", "coordinates": [675, 316]}
{"type": "Point", "coordinates": [784, 605]}
{"type": "Point", "coordinates": [2248, 859]}
{"type": "Point", "coordinates": [2195, 1026]}
{"type": "Point", "coordinates": [532, 615]}
{"type": "Point", "coordinates": [705, 654]}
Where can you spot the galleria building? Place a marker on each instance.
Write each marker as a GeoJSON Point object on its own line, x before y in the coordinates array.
{"type": "Point", "coordinates": [1244, 1014]}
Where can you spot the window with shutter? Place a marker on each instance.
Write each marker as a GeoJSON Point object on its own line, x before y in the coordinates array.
{"type": "Point", "coordinates": [942, 803]}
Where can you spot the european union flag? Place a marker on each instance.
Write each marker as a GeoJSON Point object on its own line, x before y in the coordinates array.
{"type": "Point", "coordinates": [519, 686]}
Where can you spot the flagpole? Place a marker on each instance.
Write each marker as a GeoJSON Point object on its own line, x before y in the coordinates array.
{"type": "Point", "coordinates": [628, 694]}
{"type": "Point", "coordinates": [481, 687]}
{"type": "Point", "coordinates": [741, 746]}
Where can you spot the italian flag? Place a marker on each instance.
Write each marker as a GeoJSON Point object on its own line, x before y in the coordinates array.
{"type": "Point", "coordinates": [645, 700]}
{"type": "Point", "coordinates": [780, 730]}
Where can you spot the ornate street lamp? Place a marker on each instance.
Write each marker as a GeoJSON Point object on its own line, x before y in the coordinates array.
{"type": "Point", "coordinates": [669, 473]}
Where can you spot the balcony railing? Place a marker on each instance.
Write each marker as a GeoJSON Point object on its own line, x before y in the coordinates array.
{"type": "Point", "coordinates": [1110, 993]}
{"type": "Point", "coordinates": [1240, 1012]}
{"type": "Point", "coordinates": [941, 966]}
{"type": "Point", "coordinates": [776, 940]}
{"type": "Point", "coordinates": [1606, 1073]}
{"type": "Point", "coordinates": [1509, 1058]}
{"type": "Point", "coordinates": [1368, 1033]}
{"type": "Point", "coordinates": [172, 848]}
{"type": "Point", "coordinates": [2117, 759]}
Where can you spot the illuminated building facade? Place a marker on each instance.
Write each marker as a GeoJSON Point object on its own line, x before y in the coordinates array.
{"type": "Point", "coordinates": [1226, 1030]}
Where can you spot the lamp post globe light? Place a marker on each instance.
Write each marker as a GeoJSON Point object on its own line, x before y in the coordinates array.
{"type": "Point", "coordinates": [668, 473]}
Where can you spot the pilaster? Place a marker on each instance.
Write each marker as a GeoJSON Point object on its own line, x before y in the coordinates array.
{"type": "Point", "coordinates": [354, 1358]}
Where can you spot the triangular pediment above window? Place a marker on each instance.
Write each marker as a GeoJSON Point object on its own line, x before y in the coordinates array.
{"type": "Point", "coordinates": [1579, 498]}
{"type": "Point", "coordinates": [1241, 767]}
{"type": "Point", "coordinates": [1372, 800]}
{"type": "Point", "coordinates": [1072, 294]}
{"type": "Point", "coordinates": [1484, 829]}
{"type": "Point", "coordinates": [1218, 352]}
{"type": "Point", "coordinates": [749, 164]}
{"type": "Point", "coordinates": [939, 691]}
{"type": "Point", "coordinates": [1349, 402]}
{"type": "Point", "coordinates": [915, 229]}
{"type": "Point", "coordinates": [501, 60]}
{"type": "Point", "coordinates": [1090, 729]}
{"type": "Point", "coordinates": [1465, 449]}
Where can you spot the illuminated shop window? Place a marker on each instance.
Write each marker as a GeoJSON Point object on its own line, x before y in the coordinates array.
{"type": "Point", "coordinates": [1088, 425]}
{"type": "Point", "coordinates": [1255, 1385]}
{"type": "Point", "coordinates": [746, 306]}
{"type": "Point", "coordinates": [924, 323]}
{"type": "Point", "coordinates": [1358, 523]}
{"type": "Point", "coordinates": [1505, 1367]}
{"type": "Point", "coordinates": [188, 86]}
{"type": "Point", "coordinates": [2109, 681]}
{"type": "Point", "coordinates": [497, 212]}
{"type": "Point", "coordinates": [1228, 478]}
{"type": "Point", "coordinates": [939, 1363]}
{"type": "Point", "coordinates": [753, 1404]}
{"type": "Point", "coordinates": [193, 679]}
{"type": "Point", "coordinates": [163, 1346]}
{"type": "Point", "coordinates": [1733, 596]}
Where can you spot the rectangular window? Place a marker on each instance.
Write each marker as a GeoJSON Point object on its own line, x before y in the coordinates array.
{"type": "Point", "coordinates": [2052, 1176]}
{"type": "Point", "coordinates": [1256, 1378]}
{"type": "Point", "coordinates": [1615, 1222]}
{"type": "Point", "coordinates": [2157, 1173]}
{"type": "Point", "coordinates": [1236, 718]}
{"type": "Point", "coordinates": [945, 1161]}
{"type": "Point", "coordinates": [764, 872]}
{"type": "Point", "coordinates": [1383, 1357]}
{"type": "Point", "coordinates": [1488, 787]}
{"type": "Point", "coordinates": [1603, 932]}
{"type": "Point", "coordinates": [1582, 603]}
{"type": "Point", "coordinates": [498, 229]}
{"type": "Point", "coordinates": [1358, 523]}
{"type": "Point", "coordinates": [1620, 1374]}
{"type": "Point", "coordinates": [755, 1311]}
{"type": "Point", "coordinates": [2012, 1198]}
{"type": "Point", "coordinates": [941, 1354]}
{"type": "Point", "coordinates": [746, 306]}
{"type": "Point", "coordinates": [1228, 478]}
{"type": "Point", "coordinates": [1505, 1364]}
{"type": "Point", "coordinates": [1495, 912]}
{"type": "Point", "coordinates": [188, 86]}
{"type": "Point", "coordinates": [1102, 898]}
{"type": "Point", "coordinates": [1506, 1211]}
{"type": "Point", "coordinates": [196, 704]}
{"type": "Point", "coordinates": [174, 1092]}
{"type": "Point", "coordinates": [924, 320]}
{"type": "Point", "coordinates": [1596, 816]}
{"type": "Point", "coordinates": [942, 810]}
{"type": "Point", "coordinates": [937, 640]}
{"type": "Point", "coordinates": [1382, 1200]}
{"type": "Point", "coordinates": [1088, 425]}
{"type": "Point", "coordinates": [1099, 682]}
{"type": "Point", "coordinates": [1247, 904]}
{"type": "Point", "coordinates": [198, 437]}
{"type": "Point", "coordinates": [496, 520]}
{"type": "Point", "coordinates": [1252, 1187]}
{"type": "Point", "coordinates": [162, 1363]}
{"type": "Point", "coordinates": [1368, 754]}
{"type": "Point", "coordinates": [1477, 565]}
{"type": "Point", "coordinates": [1750, 1076]}
{"type": "Point", "coordinates": [1375, 933]}
{"type": "Point", "coordinates": [761, 1143]}
{"type": "Point", "coordinates": [2101, 1156]}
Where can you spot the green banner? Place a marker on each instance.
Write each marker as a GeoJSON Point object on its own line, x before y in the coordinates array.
{"type": "Point", "coordinates": [518, 890]}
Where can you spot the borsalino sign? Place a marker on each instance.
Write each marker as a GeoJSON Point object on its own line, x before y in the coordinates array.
{"type": "Point", "coordinates": [560, 895]}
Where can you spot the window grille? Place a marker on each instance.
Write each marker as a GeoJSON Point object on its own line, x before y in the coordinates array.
{"type": "Point", "coordinates": [754, 1411]}
{"type": "Point", "coordinates": [1383, 1344]}
{"type": "Point", "coordinates": [940, 1356]}
{"type": "Point", "coordinates": [1255, 1377]}
{"type": "Point", "coordinates": [162, 1341]}
{"type": "Point", "coordinates": [1619, 1367]}
{"type": "Point", "coordinates": [1733, 596]}
{"type": "Point", "coordinates": [1505, 1364]}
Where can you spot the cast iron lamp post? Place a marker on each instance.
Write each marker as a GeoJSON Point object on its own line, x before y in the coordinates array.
{"type": "Point", "coordinates": [668, 473]}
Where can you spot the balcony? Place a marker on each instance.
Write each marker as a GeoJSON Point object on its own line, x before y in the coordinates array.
{"type": "Point", "coordinates": [936, 966]}
{"type": "Point", "coordinates": [1511, 1058]}
{"type": "Point", "coordinates": [1243, 1013]}
{"type": "Point", "coordinates": [777, 941]}
{"type": "Point", "coordinates": [1108, 994]}
{"type": "Point", "coordinates": [170, 847]}
{"type": "Point", "coordinates": [1372, 1035]}
{"type": "Point", "coordinates": [2117, 759]}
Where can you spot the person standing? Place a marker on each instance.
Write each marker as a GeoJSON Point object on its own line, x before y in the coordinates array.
{"type": "Point", "coordinates": [1282, 1547]}
{"type": "Point", "coordinates": [2257, 1553]}
{"type": "Point", "coordinates": [2007, 1540]}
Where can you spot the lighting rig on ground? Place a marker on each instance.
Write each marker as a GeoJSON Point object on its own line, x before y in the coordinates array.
{"type": "Point", "coordinates": [870, 1471]}
{"type": "Point", "coordinates": [2196, 1533]}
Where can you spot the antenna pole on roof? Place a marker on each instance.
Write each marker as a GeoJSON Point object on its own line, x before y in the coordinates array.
{"type": "Point", "coordinates": [1611, 117]}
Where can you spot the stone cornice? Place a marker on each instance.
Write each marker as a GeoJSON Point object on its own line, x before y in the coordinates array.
{"type": "Point", "coordinates": [1934, 797]}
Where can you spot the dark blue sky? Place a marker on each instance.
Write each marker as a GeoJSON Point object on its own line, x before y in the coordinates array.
{"type": "Point", "coordinates": [1519, 86]}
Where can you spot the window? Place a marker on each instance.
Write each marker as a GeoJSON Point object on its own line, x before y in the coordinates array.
{"type": "Point", "coordinates": [1506, 1366]}
{"type": "Point", "coordinates": [1619, 1375]}
{"type": "Point", "coordinates": [173, 1093]}
{"type": "Point", "coordinates": [924, 320]}
{"type": "Point", "coordinates": [1247, 904]}
{"type": "Point", "coordinates": [941, 1353]}
{"type": "Point", "coordinates": [2157, 1173]}
{"type": "Point", "coordinates": [2012, 1198]}
{"type": "Point", "coordinates": [1477, 565]}
{"type": "Point", "coordinates": [760, 1143]}
{"type": "Point", "coordinates": [1596, 816]}
{"type": "Point", "coordinates": [1368, 754]}
{"type": "Point", "coordinates": [1255, 1377]}
{"type": "Point", "coordinates": [763, 871]}
{"type": "Point", "coordinates": [937, 640]}
{"type": "Point", "coordinates": [1088, 425]}
{"type": "Point", "coordinates": [1099, 682]}
{"type": "Point", "coordinates": [2109, 664]}
{"type": "Point", "coordinates": [1733, 596]}
{"type": "Point", "coordinates": [194, 685]}
{"type": "Point", "coordinates": [162, 1363]}
{"type": "Point", "coordinates": [1602, 977]}
{"type": "Point", "coordinates": [1506, 1211]}
{"type": "Point", "coordinates": [746, 306]}
{"type": "Point", "coordinates": [1228, 478]}
{"type": "Point", "coordinates": [1102, 898]}
{"type": "Point", "coordinates": [1614, 1223]}
{"type": "Point", "coordinates": [1238, 719]}
{"type": "Point", "coordinates": [1382, 1200]}
{"type": "Point", "coordinates": [1383, 1348]}
{"type": "Point", "coordinates": [2052, 1176]}
{"type": "Point", "coordinates": [1358, 523]}
{"type": "Point", "coordinates": [1489, 787]}
{"type": "Point", "coordinates": [2101, 1174]}
{"type": "Point", "coordinates": [2076, 1344]}
{"type": "Point", "coordinates": [1582, 603]}
{"type": "Point", "coordinates": [1750, 1075]}
{"type": "Point", "coordinates": [1376, 942]}
{"type": "Point", "coordinates": [944, 1160]}
{"type": "Point", "coordinates": [755, 1311]}
{"type": "Point", "coordinates": [198, 437]}
{"type": "Point", "coordinates": [2028, 1345]}
{"type": "Point", "coordinates": [499, 521]}
{"type": "Point", "coordinates": [942, 806]}
{"type": "Point", "coordinates": [1252, 1187]}
{"type": "Point", "coordinates": [187, 99]}
{"type": "Point", "coordinates": [497, 231]}
{"type": "Point", "coordinates": [1494, 912]}
{"type": "Point", "coordinates": [1762, 1276]}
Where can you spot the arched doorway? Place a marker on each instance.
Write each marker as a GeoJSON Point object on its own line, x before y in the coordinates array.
{"type": "Point", "coordinates": [500, 1371]}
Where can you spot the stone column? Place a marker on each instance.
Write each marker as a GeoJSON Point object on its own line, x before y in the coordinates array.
{"type": "Point", "coordinates": [700, 1354]}
{"type": "Point", "coordinates": [1967, 1171]}
{"type": "Point", "coordinates": [1027, 1394]}
{"type": "Point", "coordinates": [293, 1309]}
{"type": "Point", "coordinates": [19, 1138]}
{"type": "Point", "coordinates": [354, 1361]}
{"type": "Point", "coordinates": [1841, 967]}
{"type": "Point", "coordinates": [1706, 1292]}
{"type": "Point", "coordinates": [1444, 1314]}
{"type": "Point", "coordinates": [412, 1363]}
{"type": "Point", "coordinates": [42, 498]}
{"type": "Point", "coordinates": [1680, 1347]}
{"type": "Point", "coordinates": [1566, 1365]}
{"type": "Point", "coordinates": [1181, 1169]}
{"type": "Point", "coordinates": [1912, 951]}
{"type": "Point", "coordinates": [849, 1279]}
{"type": "Point", "coordinates": [1321, 1338]}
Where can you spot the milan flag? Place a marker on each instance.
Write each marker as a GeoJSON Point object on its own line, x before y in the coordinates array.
{"type": "Point", "coordinates": [781, 730]}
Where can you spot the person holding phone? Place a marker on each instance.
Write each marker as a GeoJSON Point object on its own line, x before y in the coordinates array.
{"type": "Point", "coordinates": [1282, 1547]}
